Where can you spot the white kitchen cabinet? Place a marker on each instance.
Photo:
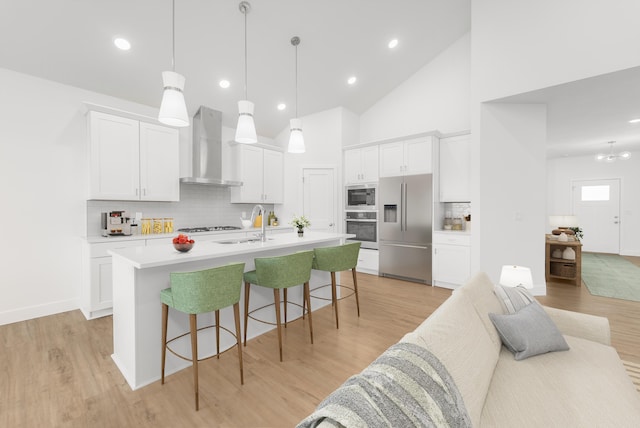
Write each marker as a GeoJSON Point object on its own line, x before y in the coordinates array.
{"type": "Point", "coordinates": [97, 285]}
{"type": "Point", "coordinates": [454, 169]}
{"type": "Point", "coordinates": [132, 160]}
{"type": "Point", "coordinates": [408, 157]}
{"type": "Point", "coordinates": [368, 261]}
{"type": "Point", "coordinates": [451, 259]}
{"type": "Point", "coordinates": [262, 174]}
{"type": "Point", "coordinates": [361, 165]}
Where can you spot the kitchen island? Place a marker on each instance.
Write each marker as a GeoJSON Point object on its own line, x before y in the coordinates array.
{"type": "Point", "coordinates": [139, 273]}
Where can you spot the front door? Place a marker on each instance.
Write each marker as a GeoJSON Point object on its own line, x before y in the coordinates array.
{"type": "Point", "coordinates": [319, 199]}
{"type": "Point", "coordinates": [596, 203]}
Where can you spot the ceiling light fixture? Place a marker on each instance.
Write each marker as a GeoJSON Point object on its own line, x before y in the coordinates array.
{"type": "Point", "coordinates": [282, 106]}
{"type": "Point", "coordinates": [352, 80]}
{"type": "Point", "coordinates": [296, 139]}
{"type": "Point", "coordinates": [634, 121]}
{"type": "Point", "coordinates": [122, 44]}
{"type": "Point", "coordinates": [173, 110]}
{"type": "Point", "coordinates": [246, 129]}
{"type": "Point", "coordinates": [224, 84]}
{"type": "Point", "coordinates": [393, 43]}
{"type": "Point", "coordinates": [612, 157]}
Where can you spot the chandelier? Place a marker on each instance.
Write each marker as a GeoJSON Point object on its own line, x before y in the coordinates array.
{"type": "Point", "coordinates": [611, 156]}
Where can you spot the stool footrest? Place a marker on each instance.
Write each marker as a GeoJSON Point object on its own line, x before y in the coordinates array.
{"type": "Point", "coordinates": [202, 328]}
{"type": "Point", "coordinates": [353, 291]}
{"type": "Point", "coordinates": [305, 311]}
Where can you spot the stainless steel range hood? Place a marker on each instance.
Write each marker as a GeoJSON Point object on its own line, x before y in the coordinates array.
{"type": "Point", "coordinates": [207, 150]}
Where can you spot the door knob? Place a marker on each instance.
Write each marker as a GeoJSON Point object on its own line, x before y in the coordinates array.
{"type": "Point", "coordinates": [616, 222]}
{"type": "Point", "coordinates": [330, 224]}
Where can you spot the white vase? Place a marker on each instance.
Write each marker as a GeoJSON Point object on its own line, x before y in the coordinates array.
{"type": "Point", "coordinates": [569, 254]}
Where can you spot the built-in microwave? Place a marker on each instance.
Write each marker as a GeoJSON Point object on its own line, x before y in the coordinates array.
{"type": "Point", "coordinates": [362, 197]}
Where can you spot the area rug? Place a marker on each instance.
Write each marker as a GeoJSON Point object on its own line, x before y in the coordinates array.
{"type": "Point", "coordinates": [610, 275]}
{"type": "Point", "coordinates": [633, 370]}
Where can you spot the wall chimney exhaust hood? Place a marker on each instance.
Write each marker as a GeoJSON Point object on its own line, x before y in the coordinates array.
{"type": "Point", "coordinates": [207, 150]}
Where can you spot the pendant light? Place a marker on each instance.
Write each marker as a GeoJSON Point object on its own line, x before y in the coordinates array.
{"type": "Point", "coordinates": [612, 157]}
{"type": "Point", "coordinates": [246, 129]}
{"type": "Point", "coordinates": [173, 110]}
{"type": "Point", "coordinates": [296, 139]}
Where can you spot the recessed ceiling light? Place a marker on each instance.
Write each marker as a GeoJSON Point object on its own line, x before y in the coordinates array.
{"type": "Point", "coordinates": [122, 44]}
{"type": "Point", "coordinates": [393, 43]}
{"type": "Point", "coordinates": [351, 80]}
{"type": "Point", "coordinates": [634, 121]}
{"type": "Point", "coordinates": [282, 106]}
{"type": "Point", "coordinates": [224, 84]}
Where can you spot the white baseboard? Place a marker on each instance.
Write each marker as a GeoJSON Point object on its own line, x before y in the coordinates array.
{"type": "Point", "coordinates": [630, 253]}
{"type": "Point", "coordinates": [37, 311]}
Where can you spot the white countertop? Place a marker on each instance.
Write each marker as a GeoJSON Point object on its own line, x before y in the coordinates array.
{"type": "Point", "coordinates": [100, 239]}
{"type": "Point", "coordinates": [162, 255]}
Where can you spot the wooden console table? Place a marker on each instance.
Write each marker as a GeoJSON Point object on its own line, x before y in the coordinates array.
{"type": "Point", "coordinates": [562, 269]}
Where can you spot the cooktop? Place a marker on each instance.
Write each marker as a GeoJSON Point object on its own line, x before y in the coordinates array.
{"type": "Point", "coordinates": [207, 229]}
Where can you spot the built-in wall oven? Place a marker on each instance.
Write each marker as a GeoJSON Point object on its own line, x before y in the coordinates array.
{"type": "Point", "coordinates": [363, 224]}
{"type": "Point", "coordinates": [362, 197]}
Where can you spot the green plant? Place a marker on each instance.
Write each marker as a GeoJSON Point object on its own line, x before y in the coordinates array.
{"type": "Point", "coordinates": [300, 222]}
{"type": "Point", "coordinates": [578, 232]}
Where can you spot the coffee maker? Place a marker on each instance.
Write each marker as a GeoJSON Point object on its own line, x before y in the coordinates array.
{"type": "Point", "coordinates": [115, 223]}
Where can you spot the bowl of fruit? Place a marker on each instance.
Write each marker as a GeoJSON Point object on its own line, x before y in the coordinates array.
{"type": "Point", "coordinates": [182, 243]}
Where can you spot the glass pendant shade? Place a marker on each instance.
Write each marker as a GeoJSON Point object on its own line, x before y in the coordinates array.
{"type": "Point", "coordinates": [296, 139]}
{"type": "Point", "coordinates": [246, 129]}
{"type": "Point", "coordinates": [173, 110]}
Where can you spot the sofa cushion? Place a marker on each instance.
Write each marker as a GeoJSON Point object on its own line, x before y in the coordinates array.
{"type": "Point", "coordinates": [529, 332]}
{"type": "Point", "coordinates": [513, 298]}
{"type": "Point", "coordinates": [586, 386]}
{"type": "Point", "coordinates": [455, 334]}
{"type": "Point", "coordinates": [479, 290]}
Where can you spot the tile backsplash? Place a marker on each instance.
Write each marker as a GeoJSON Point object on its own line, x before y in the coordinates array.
{"type": "Point", "coordinates": [198, 206]}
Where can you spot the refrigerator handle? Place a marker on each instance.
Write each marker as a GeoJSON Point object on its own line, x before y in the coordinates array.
{"type": "Point", "coordinates": [401, 207]}
{"type": "Point", "coordinates": [404, 209]}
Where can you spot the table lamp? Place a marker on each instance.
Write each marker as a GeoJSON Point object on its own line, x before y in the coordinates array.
{"type": "Point", "coordinates": [513, 276]}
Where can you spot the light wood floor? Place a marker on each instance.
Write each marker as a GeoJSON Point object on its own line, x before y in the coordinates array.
{"type": "Point", "coordinates": [57, 370]}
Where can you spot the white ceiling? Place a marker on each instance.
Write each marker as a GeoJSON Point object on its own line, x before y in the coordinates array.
{"type": "Point", "coordinates": [71, 41]}
{"type": "Point", "coordinates": [582, 116]}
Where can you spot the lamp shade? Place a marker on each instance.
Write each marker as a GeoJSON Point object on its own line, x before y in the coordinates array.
{"type": "Point", "coordinates": [246, 129]}
{"type": "Point", "coordinates": [296, 139]}
{"type": "Point", "coordinates": [513, 276]}
{"type": "Point", "coordinates": [173, 110]}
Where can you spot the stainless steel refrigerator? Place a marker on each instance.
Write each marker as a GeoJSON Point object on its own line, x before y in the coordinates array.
{"type": "Point", "coordinates": [405, 226]}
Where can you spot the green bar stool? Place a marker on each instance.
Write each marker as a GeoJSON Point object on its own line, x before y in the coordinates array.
{"type": "Point", "coordinates": [199, 292]}
{"type": "Point", "coordinates": [279, 273]}
{"type": "Point", "coordinates": [338, 259]}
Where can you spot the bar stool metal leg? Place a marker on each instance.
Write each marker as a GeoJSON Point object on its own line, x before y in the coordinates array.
{"type": "Point", "coordinates": [165, 320]}
{"type": "Point", "coordinates": [276, 299]}
{"type": "Point", "coordinates": [194, 355]}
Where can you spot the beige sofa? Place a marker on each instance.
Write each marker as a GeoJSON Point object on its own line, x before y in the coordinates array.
{"type": "Point", "coordinates": [586, 386]}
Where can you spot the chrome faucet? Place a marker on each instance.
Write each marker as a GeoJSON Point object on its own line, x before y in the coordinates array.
{"type": "Point", "coordinates": [263, 231]}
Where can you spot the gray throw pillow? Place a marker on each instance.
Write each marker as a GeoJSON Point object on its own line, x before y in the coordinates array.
{"type": "Point", "coordinates": [529, 332]}
{"type": "Point", "coordinates": [513, 299]}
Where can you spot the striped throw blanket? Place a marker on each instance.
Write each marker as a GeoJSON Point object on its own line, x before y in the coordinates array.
{"type": "Point", "coordinates": [406, 386]}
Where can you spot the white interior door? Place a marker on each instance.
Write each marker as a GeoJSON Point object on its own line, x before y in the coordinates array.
{"type": "Point", "coordinates": [319, 198]}
{"type": "Point", "coordinates": [596, 203]}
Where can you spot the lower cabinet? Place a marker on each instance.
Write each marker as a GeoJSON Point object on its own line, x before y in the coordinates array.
{"type": "Point", "coordinates": [451, 259]}
{"type": "Point", "coordinates": [96, 297]}
{"type": "Point", "coordinates": [368, 261]}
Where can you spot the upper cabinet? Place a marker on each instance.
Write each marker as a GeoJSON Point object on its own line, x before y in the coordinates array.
{"type": "Point", "coordinates": [409, 157]}
{"type": "Point", "coordinates": [454, 169]}
{"type": "Point", "coordinates": [132, 160]}
{"type": "Point", "coordinates": [361, 165]}
{"type": "Point", "coordinates": [261, 173]}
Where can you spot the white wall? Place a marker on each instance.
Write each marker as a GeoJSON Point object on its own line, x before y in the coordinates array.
{"type": "Point", "coordinates": [561, 171]}
{"type": "Point", "coordinates": [519, 46]}
{"type": "Point", "coordinates": [511, 211]}
{"type": "Point", "coordinates": [44, 170]}
{"type": "Point", "coordinates": [323, 135]}
{"type": "Point", "coordinates": [435, 98]}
